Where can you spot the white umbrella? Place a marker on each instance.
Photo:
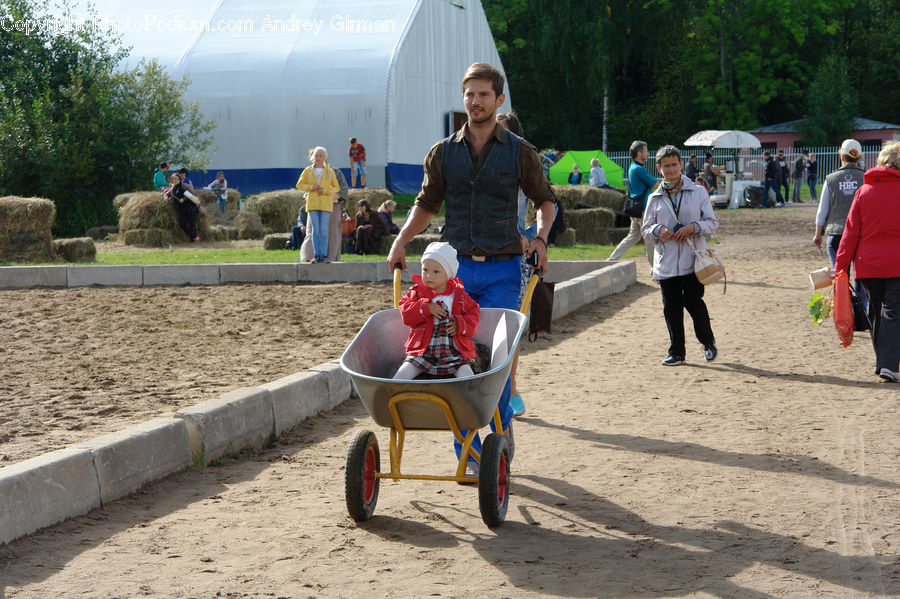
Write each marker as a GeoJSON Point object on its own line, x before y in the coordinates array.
{"type": "Point", "coordinates": [723, 139]}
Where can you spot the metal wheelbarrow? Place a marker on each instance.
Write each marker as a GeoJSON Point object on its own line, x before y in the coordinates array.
{"type": "Point", "coordinates": [453, 404]}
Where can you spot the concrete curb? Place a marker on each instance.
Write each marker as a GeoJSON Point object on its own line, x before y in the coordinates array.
{"type": "Point", "coordinates": [127, 460]}
{"type": "Point", "coordinates": [18, 277]}
{"type": "Point", "coordinates": [225, 425]}
{"type": "Point", "coordinates": [70, 482]}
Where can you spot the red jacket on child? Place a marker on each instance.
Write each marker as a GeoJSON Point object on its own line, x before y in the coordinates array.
{"type": "Point", "coordinates": [415, 313]}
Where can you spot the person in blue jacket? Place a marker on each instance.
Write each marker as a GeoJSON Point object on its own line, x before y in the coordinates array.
{"type": "Point", "coordinates": [640, 184]}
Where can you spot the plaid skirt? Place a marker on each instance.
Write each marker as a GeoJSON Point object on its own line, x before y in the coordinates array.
{"type": "Point", "coordinates": [441, 356]}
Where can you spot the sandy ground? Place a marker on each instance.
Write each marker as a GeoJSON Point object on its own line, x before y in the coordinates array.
{"type": "Point", "coordinates": [771, 472]}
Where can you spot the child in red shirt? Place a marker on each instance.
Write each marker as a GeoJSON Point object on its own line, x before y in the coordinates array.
{"type": "Point", "coordinates": [441, 316]}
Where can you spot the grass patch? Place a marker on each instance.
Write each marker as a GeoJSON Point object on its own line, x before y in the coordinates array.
{"type": "Point", "coordinates": [220, 255]}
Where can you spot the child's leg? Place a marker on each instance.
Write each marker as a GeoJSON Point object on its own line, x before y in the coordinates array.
{"type": "Point", "coordinates": [407, 371]}
{"type": "Point", "coordinates": [464, 370]}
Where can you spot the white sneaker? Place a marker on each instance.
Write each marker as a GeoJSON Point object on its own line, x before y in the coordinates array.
{"type": "Point", "coordinates": [889, 375]}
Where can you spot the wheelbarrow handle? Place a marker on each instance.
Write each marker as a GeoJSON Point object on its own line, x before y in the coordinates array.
{"type": "Point", "coordinates": [536, 276]}
{"type": "Point", "coordinates": [398, 272]}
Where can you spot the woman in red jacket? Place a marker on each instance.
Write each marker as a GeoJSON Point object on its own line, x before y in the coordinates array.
{"type": "Point", "coordinates": [871, 240]}
{"type": "Point", "coordinates": [441, 316]}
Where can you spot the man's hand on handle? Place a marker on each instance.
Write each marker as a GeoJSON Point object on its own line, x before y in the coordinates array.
{"type": "Point", "coordinates": [397, 255]}
{"type": "Point", "coordinates": [539, 246]}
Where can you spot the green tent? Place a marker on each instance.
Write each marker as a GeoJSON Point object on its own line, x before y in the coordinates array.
{"type": "Point", "coordinates": [559, 172]}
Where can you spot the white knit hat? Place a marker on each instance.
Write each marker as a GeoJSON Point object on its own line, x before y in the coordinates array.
{"type": "Point", "coordinates": [444, 254]}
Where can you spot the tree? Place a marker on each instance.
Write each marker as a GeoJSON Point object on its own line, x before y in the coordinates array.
{"type": "Point", "coordinates": [77, 128]}
{"type": "Point", "coordinates": [831, 114]}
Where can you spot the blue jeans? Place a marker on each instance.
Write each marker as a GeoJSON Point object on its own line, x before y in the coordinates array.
{"type": "Point", "coordinates": [797, 183]}
{"type": "Point", "coordinates": [811, 181]}
{"type": "Point", "coordinates": [770, 183]}
{"type": "Point", "coordinates": [492, 285]}
{"type": "Point", "coordinates": [221, 201]}
{"type": "Point", "coordinates": [319, 221]}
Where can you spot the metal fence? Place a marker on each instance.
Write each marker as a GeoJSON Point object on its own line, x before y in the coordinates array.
{"type": "Point", "coordinates": [750, 162]}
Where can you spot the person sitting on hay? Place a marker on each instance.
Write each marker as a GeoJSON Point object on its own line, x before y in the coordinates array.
{"type": "Point", "coordinates": [185, 211]}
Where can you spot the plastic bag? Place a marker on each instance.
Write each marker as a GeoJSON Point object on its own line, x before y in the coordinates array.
{"type": "Point", "coordinates": [843, 308]}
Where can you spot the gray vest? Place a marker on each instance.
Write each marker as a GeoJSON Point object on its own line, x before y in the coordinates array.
{"type": "Point", "coordinates": [482, 207]}
{"type": "Point", "coordinates": [842, 185]}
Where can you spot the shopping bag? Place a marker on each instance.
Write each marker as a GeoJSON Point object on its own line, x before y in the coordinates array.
{"type": "Point", "coordinates": [843, 309]}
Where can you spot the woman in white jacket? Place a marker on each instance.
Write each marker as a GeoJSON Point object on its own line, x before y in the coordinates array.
{"type": "Point", "coordinates": [679, 214]}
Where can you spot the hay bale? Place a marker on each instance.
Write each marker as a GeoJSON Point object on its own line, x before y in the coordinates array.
{"type": "Point", "coordinates": [589, 222]}
{"type": "Point", "coordinates": [25, 229]}
{"type": "Point", "coordinates": [222, 233]}
{"type": "Point", "coordinates": [574, 197]}
{"type": "Point", "coordinates": [100, 233]}
{"type": "Point", "coordinates": [276, 241]}
{"type": "Point", "coordinates": [208, 201]}
{"type": "Point", "coordinates": [566, 238]}
{"type": "Point", "coordinates": [154, 238]}
{"type": "Point", "coordinates": [375, 196]}
{"type": "Point", "coordinates": [418, 243]}
{"type": "Point", "coordinates": [123, 198]}
{"type": "Point", "coordinates": [248, 225]}
{"type": "Point", "coordinates": [78, 249]}
{"type": "Point", "coordinates": [149, 210]}
{"type": "Point", "coordinates": [276, 209]}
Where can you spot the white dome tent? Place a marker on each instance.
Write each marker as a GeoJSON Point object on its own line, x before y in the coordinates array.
{"type": "Point", "coordinates": [282, 78]}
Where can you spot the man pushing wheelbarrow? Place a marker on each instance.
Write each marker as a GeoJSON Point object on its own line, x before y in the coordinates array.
{"type": "Point", "coordinates": [477, 173]}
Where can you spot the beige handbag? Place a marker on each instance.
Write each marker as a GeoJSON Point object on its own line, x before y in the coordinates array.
{"type": "Point", "coordinates": [707, 266]}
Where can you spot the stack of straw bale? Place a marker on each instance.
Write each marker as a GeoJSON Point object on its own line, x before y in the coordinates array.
{"type": "Point", "coordinates": [25, 229]}
{"type": "Point", "coordinates": [148, 219]}
{"type": "Point", "coordinates": [276, 210]}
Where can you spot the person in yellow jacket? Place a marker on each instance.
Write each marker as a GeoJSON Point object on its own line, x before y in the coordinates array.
{"type": "Point", "coordinates": [320, 183]}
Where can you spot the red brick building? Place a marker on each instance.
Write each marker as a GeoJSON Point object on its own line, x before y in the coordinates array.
{"type": "Point", "coordinates": [786, 135]}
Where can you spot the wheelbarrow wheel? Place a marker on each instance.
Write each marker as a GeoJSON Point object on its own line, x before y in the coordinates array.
{"type": "Point", "coordinates": [493, 480]}
{"type": "Point", "coordinates": [360, 484]}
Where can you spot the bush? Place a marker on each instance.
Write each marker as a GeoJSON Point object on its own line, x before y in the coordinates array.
{"type": "Point", "coordinates": [25, 229]}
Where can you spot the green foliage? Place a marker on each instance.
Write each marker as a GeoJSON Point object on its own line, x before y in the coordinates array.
{"type": "Point", "coordinates": [832, 103]}
{"type": "Point", "coordinates": [77, 128]}
{"type": "Point", "coordinates": [819, 307]}
{"type": "Point", "coordinates": [673, 67]}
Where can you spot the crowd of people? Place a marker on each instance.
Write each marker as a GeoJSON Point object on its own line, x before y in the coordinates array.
{"type": "Point", "coordinates": [857, 219]}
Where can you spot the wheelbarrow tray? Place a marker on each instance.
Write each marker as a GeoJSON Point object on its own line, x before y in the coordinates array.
{"type": "Point", "coordinates": [375, 354]}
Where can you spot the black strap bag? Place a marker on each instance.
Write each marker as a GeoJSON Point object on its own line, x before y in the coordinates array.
{"type": "Point", "coordinates": [860, 318]}
{"type": "Point", "coordinates": [634, 207]}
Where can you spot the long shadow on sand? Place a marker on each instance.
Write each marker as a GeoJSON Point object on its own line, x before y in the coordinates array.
{"type": "Point", "coordinates": [574, 543]}
{"type": "Point", "coordinates": [818, 379]}
{"type": "Point", "coordinates": [765, 462]}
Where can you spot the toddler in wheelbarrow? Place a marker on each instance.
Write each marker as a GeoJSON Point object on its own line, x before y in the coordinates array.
{"type": "Point", "coordinates": [435, 386]}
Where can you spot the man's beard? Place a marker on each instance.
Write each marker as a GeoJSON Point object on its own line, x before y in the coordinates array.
{"type": "Point", "coordinates": [484, 118]}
